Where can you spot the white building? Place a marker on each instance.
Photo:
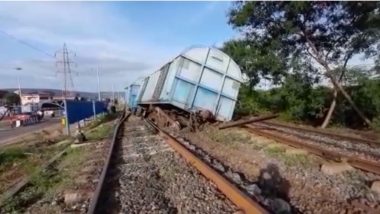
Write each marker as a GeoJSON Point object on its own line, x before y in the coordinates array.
{"type": "Point", "coordinates": [35, 98]}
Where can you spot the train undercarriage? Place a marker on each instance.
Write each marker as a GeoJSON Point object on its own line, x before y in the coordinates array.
{"type": "Point", "coordinates": [168, 116]}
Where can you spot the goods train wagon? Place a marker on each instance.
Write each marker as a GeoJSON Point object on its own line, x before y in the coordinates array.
{"type": "Point", "coordinates": [131, 95]}
{"type": "Point", "coordinates": [200, 78]}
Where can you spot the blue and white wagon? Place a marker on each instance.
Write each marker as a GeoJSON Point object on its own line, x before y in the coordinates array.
{"type": "Point", "coordinates": [200, 78]}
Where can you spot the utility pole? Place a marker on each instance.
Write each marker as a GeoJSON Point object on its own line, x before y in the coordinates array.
{"type": "Point", "coordinates": [113, 93]}
{"type": "Point", "coordinates": [97, 74]}
{"type": "Point", "coordinates": [18, 82]}
{"type": "Point", "coordinates": [66, 62]}
{"type": "Point", "coordinates": [19, 86]}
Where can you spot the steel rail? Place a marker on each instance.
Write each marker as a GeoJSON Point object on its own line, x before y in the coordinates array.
{"type": "Point", "coordinates": [250, 120]}
{"type": "Point", "coordinates": [94, 200]}
{"type": "Point", "coordinates": [369, 142]}
{"type": "Point", "coordinates": [358, 163]}
{"type": "Point", "coordinates": [241, 200]}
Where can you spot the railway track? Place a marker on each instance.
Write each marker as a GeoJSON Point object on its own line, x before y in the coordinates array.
{"type": "Point", "coordinates": [354, 139]}
{"type": "Point", "coordinates": [360, 153]}
{"type": "Point", "coordinates": [150, 171]}
{"type": "Point", "coordinates": [56, 164]}
{"type": "Point", "coordinates": [26, 179]}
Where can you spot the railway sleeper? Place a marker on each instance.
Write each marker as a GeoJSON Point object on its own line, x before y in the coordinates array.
{"type": "Point", "coordinates": [152, 178]}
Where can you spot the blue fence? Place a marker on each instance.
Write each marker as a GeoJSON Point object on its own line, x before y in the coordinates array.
{"type": "Point", "coordinates": [79, 110]}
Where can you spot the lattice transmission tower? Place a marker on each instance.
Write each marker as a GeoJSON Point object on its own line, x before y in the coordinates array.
{"type": "Point", "coordinates": [64, 64]}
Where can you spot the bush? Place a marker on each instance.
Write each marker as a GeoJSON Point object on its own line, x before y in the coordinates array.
{"type": "Point", "coordinates": [366, 95]}
{"type": "Point", "coordinates": [298, 100]}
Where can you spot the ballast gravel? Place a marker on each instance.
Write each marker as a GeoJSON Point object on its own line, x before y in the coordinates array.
{"type": "Point", "coordinates": [149, 177]}
{"type": "Point", "coordinates": [305, 187]}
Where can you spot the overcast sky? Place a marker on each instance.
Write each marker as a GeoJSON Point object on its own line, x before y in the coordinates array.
{"type": "Point", "coordinates": [126, 40]}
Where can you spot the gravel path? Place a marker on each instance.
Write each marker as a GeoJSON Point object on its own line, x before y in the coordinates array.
{"type": "Point", "coordinates": [307, 189]}
{"type": "Point", "coordinates": [342, 146]}
{"type": "Point", "coordinates": [149, 177]}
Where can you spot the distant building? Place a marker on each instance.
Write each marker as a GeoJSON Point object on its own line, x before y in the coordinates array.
{"type": "Point", "coordinates": [61, 97]}
{"type": "Point", "coordinates": [35, 97]}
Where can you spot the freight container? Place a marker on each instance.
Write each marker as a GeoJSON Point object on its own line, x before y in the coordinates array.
{"type": "Point", "coordinates": [199, 78]}
{"type": "Point", "coordinates": [132, 92]}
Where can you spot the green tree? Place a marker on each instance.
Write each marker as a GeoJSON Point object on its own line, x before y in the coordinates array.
{"type": "Point", "coordinates": [255, 61]}
{"type": "Point", "coordinates": [12, 99]}
{"type": "Point", "coordinates": [327, 34]}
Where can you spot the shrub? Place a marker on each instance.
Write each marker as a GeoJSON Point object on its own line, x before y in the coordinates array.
{"type": "Point", "coordinates": [298, 100]}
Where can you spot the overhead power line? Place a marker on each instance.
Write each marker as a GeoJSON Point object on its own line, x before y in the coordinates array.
{"type": "Point", "coordinates": [66, 64]}
{"type": "Point", "coordinates": [27, 44]}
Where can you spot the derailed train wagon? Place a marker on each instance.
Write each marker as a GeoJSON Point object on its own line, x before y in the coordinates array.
{"type": "Point", "coordinates": [131, 95]}
{"type": "Point", "coordinates": [200, 78]}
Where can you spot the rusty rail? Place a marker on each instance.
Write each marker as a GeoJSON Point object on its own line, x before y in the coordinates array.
{"type": "Point", "coordinates": [241, 200]}
{"type": "Point", "coordinates": [358, 163]}
{"type": "Point", "coordinates": [251, 120]}
{"type": "Point", "coordinates": [94, 200]}
{"type": "Point", "coordinates": [369, 142]}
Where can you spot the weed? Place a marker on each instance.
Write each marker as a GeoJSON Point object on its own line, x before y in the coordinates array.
{"type": "Point", "coordinates": [99, 132]}
{"type": "Point", "coordinates": [227, 136]}
{"type": "Point", "coordinates": [29, 166]}
{"type": "Point", "coordinates": [297, 160]}
{"type": "Point", "coordinates": [256, 145]}
{"type": "Point", "coordinates": [73, 157]}
{"type": "Point", "coordinates": [12, 154]}
{"type": "Point", "coordinates": [274, 151]}
{"type": "Point", "coordinates": [70, 165]}
{"type": "Point", "coordinates": [40, 183]}
{"type": "Point", "coordinates": [17, 204]}
{"type": "Point", "coordinates": [47, 182]}
{"type": "Point", "coordinates": [101, 119]}
{"type": "Point", "coordinates": [288, 159]}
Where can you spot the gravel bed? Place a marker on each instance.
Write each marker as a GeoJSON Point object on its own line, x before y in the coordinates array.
{"type": "Point", "coordinates": [149, 177]}
{"type": "Point", "coordinates": [273, 202]}
{"type": "Point", "coordinates": [342, 146]}
{"type": "Point", "coordinates": [307, 189]}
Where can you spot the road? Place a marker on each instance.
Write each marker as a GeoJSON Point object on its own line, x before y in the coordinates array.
{"type": "Point", "coordinates": [8, 134]}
